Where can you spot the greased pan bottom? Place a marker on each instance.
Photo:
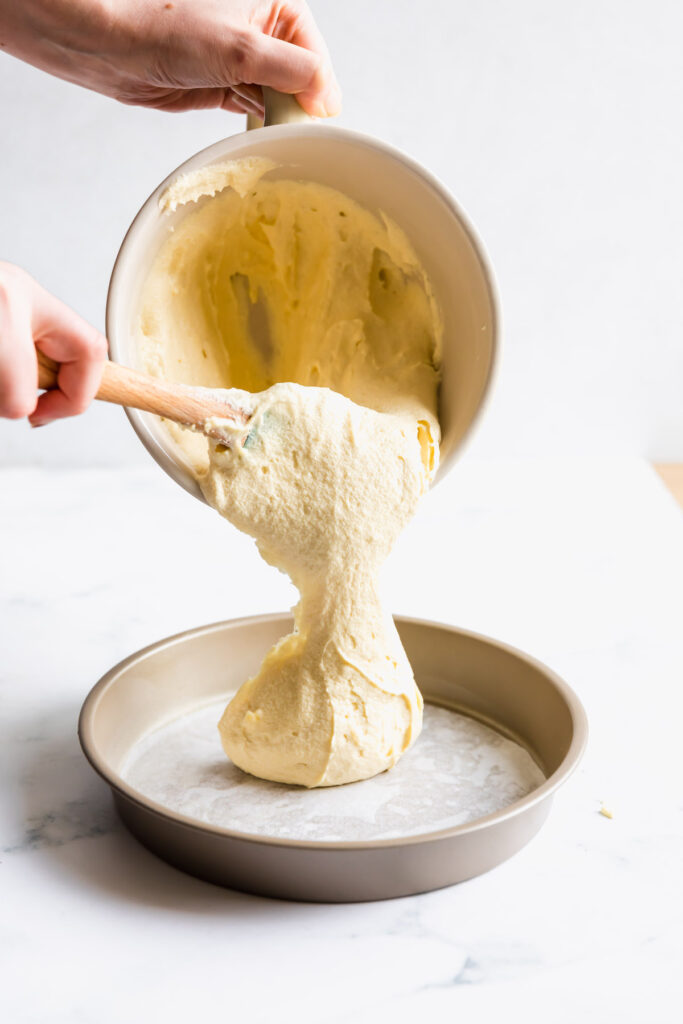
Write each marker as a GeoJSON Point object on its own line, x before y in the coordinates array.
{"type": "Point", "coordinates": [489, 681]}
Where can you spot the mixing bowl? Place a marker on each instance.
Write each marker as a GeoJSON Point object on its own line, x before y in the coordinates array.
{"type": "Point", "coordinates": [378, 177]}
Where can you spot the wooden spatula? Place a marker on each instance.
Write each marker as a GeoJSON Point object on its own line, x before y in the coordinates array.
{"type": "Point", "coordinates": [190, 406]}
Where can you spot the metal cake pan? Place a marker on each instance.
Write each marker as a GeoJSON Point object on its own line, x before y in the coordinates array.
{"type": "Point", "coordinates": [487, 680]}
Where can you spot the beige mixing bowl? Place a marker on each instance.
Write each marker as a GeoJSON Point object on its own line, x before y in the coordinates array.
{"type": "Point", "coordinates": [379, 178]}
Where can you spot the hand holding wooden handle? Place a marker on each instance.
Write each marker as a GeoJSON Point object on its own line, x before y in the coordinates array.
{"type": "Point", "coordinates": [186, 405]}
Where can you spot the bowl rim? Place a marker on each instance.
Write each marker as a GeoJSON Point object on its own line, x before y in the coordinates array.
{"type": "Point", "coordinates": [520, 807]}
{"type": "Point", "coordinates": [222, 147]}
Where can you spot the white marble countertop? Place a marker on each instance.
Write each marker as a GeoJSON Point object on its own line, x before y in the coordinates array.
{"type": "Point", "coordinates": [579, 563]}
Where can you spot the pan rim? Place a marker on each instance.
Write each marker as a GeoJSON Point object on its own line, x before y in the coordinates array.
{"type": "Point", "coordinates": [517, 809]}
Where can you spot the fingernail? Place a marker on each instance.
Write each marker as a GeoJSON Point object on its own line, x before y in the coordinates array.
{"type": "Point", "coordinates": [38, 423]}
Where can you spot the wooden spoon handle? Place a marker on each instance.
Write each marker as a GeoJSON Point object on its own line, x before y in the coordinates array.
{"type": "Point", "coordinates": [123, 386]}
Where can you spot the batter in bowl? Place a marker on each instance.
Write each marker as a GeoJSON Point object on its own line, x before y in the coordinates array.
{"type": "Point", "coordinates": [320, 310]}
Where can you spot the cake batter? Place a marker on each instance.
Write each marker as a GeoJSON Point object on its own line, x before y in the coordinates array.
{"type": "Point", "coordinates": [320, 309]}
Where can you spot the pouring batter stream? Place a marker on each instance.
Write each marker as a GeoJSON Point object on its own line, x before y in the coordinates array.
{"type": "Point", "coordinates": [320, 309]}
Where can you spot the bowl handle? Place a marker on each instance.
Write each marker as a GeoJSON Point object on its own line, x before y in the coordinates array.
{"type": "Point", "coordinates": [281, 108]}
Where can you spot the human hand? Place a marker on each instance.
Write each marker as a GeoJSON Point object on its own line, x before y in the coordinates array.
{"type": "Point", "coordinates": [31, 318]}
{"type": "Point", "coordinates": [179, 55]}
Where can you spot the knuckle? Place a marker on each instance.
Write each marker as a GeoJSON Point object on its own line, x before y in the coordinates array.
{"type": "Point", "coordinates": [87, 345]}
{"type": "Point", "coordinates": [242, 58]}
{"type": "Point", "coordinates": [99, 348]}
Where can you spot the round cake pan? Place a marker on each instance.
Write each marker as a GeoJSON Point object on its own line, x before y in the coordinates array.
{"type": "Point", "coordinates": [489, 681]}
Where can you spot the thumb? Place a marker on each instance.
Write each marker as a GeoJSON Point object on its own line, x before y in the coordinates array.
{"type": "Point", "coordinates": [292, 69]}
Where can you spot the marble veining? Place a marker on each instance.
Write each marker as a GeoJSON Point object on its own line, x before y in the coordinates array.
{"type": "Point", "coordinates": [579, 563]}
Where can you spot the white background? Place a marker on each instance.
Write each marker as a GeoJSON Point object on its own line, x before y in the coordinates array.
{"type": "Point", "coordinates": [559, 128]}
